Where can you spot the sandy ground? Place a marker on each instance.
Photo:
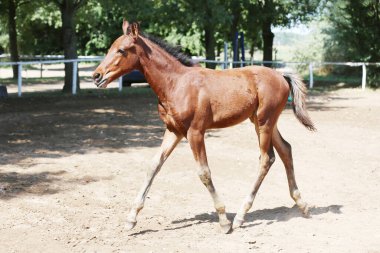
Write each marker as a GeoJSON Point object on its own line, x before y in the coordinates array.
{"type": "Point", "coordinates": [71, 166]}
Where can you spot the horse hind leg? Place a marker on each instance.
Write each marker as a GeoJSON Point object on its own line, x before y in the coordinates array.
{"type": "Point", "coordinates": [284, 150]}
{"type": "Point", "coordinates": [267, 158]}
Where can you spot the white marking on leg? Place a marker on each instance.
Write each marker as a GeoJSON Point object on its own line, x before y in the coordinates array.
{"type": "Point", "coordinates": [169, 142]}
{"type": "Point", "coordinates": [205, 176]}
{"type": "Point", "coordinates": [284, 149]}
{"type": "Point", "coordinates": [267, 158]}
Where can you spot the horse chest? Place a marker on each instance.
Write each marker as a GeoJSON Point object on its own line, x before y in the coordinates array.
{"type": "Point", "coordinates": [168, 116]}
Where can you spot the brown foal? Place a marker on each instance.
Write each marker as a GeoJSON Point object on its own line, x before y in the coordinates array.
{"type": "Point", "coordinates": [193, 99]}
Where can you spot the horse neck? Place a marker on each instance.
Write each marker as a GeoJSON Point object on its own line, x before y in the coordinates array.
{"type": "Point", "coordinates": [160, 69]}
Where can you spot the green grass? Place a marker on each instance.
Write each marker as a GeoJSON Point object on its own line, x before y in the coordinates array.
{"type": "Point", "coordinates": [333, 81]}
{"type": "Point", "coordinates": [331, 78]}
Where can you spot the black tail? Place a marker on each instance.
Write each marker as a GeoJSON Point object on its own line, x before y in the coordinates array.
{"type": "Point", "coordinates": [298, 90]}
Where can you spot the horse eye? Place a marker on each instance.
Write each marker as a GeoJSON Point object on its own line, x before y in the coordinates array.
{"type": "Point", "coordinates": [121, 51]}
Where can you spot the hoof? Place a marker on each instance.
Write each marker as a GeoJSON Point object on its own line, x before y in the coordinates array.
{"type": "Point", "coordinates": [305, 209]}
{"type": "Point", "coordinates": [226, 228]}
{"type": "Point", "coordinates": [130, 225]}
{"type": "Point", "coordinates": [237, 223]}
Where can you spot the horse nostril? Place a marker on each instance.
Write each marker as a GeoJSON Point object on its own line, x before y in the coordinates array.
{"type": "Point", "coordinates": [97, 76]}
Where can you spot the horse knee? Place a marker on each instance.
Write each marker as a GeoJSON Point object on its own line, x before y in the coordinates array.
{"type": "Point", "coordinates": [288, 148]}
{"type": "Point", "coordinates": [272, 158]}
{"type": "Point", "coordinates": [267, 160]}
{"type": "Point", "coordinates": [205, 176]}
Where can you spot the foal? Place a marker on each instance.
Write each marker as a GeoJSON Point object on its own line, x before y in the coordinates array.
{"type": "Point", "coordinates": [194, 99]}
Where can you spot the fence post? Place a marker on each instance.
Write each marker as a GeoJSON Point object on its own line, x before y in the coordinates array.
{"type": "Point", "coordinates": [19, 79]}
{"type": "Point", "coordinates": [225, 55]}
{"type": "Point", "coordinates": [311, 78]}
{"type": "Point", "coordinates": [75, 75]}
{"type": "Point", "coordinates": [364, 76]}
{"type": "Point", "coordinates": [120, 83]}
{"type": "Point", "coordinates": [41, 69]}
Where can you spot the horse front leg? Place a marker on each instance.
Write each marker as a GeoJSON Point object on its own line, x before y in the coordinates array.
{"type": "Point", "coordinates": [196, 140]}
{"type": "Point", "coordinates": [169, 142]}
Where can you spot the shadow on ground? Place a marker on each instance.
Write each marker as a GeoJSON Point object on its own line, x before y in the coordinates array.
{"type": "Point", "coordinates": [13, 184]}
{"type": "Point", "coordinates": [59, 125]}
{"type": "Point", "coordinates": [65, 125]}
{"type": "Point", "coordinates": [270, 216]}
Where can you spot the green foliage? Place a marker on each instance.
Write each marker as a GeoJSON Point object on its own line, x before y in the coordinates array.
{"type": "Point", "coordinates": [35, 30]}
{"type": "Point", "coordinates": [183, 22]}
{"type": "Point", "coordinates": [308, 48]}
{"type": "Point", "coordinates": [285, 12]}
{"type": "Point", "coordinates": [354, 33]}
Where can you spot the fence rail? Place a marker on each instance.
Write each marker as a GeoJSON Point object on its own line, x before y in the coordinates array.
{"type": "Point", "coordinates": [75, 69]}
{"type": "Point", "coordinates": [224, 64]}
{"type": "Point", "coordinates": [311, 65]}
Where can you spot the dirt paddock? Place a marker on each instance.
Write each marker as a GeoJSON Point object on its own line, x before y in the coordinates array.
{"type": "Point", "coordinates": [71, 166]}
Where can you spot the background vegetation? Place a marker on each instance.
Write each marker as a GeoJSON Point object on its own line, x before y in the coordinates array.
{"type": "Point", "coordinates": [341, 30]}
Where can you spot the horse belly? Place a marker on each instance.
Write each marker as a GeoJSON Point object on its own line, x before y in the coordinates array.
{"type": "Point", "coordinates": [231, 111]}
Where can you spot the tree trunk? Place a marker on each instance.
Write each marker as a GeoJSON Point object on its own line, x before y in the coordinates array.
{"type": "Point", "coordinates": [210, 46]}
{"type": "Point", "coordinates": [12, 32]}
{"type": "Point", "coordinates": [268, 37]}
{"type": "Point", "coordinates": [210, 41]}
{"type": "Point", "coordinates": [69, 41]}
{"type": "Point", "coordinates": [252, 51]}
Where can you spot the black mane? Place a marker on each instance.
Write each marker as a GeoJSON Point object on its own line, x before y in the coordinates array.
{"type": "Point", "coordinates": [175, 51]}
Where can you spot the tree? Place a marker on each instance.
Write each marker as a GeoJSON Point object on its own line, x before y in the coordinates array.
{"type": "Point", "coordinates": [206, 17]}
{"type": "Point", "coordinates": [10, 8]}
{"type": "Point", "coordinates": [358, 24]}
{"type": "Point", "coordinates": [271, 13]}
{"type": "Point", "coordinates": [200, 25]}
{"type": "Point", "coordinates": [354, 33]}
{"type": "Point", "coordinates": [68, 9]}
{"type": "Point", "coordinates": [102, 19]}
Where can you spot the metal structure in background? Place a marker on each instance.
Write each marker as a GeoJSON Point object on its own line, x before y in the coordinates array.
{"type": "Point", "coordinates": [242, 46]}
{"type": "Point", "coordinates": [224, 64]}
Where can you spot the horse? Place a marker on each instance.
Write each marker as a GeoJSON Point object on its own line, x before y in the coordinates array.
{"type": "Point", "coordinates": [192, 99]}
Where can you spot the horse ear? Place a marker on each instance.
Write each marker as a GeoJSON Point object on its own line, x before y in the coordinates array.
{"type": "Point", "coordinates": [135, 30]}
{"type": "Point", "coordinates": [125, 26]}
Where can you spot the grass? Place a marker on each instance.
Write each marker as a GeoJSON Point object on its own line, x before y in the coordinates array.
{"type": "Point", "coordinates": [333, 82]}
{"type": "Point", "coordinates": [335, 79]}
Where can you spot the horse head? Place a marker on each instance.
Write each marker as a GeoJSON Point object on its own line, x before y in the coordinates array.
{"type": "Point", "coordinates": [121, 57]}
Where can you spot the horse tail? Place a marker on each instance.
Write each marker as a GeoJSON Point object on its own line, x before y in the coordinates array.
{"type": "Point", "coordinates": [298, 91]}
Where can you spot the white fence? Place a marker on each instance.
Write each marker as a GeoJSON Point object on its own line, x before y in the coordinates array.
{"type": "Point", "coordinates": [41, 62]}
{"type": "Point", "coordinates": [224, 64]}
{"type": "Point", "coordinates": [312, 65]}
